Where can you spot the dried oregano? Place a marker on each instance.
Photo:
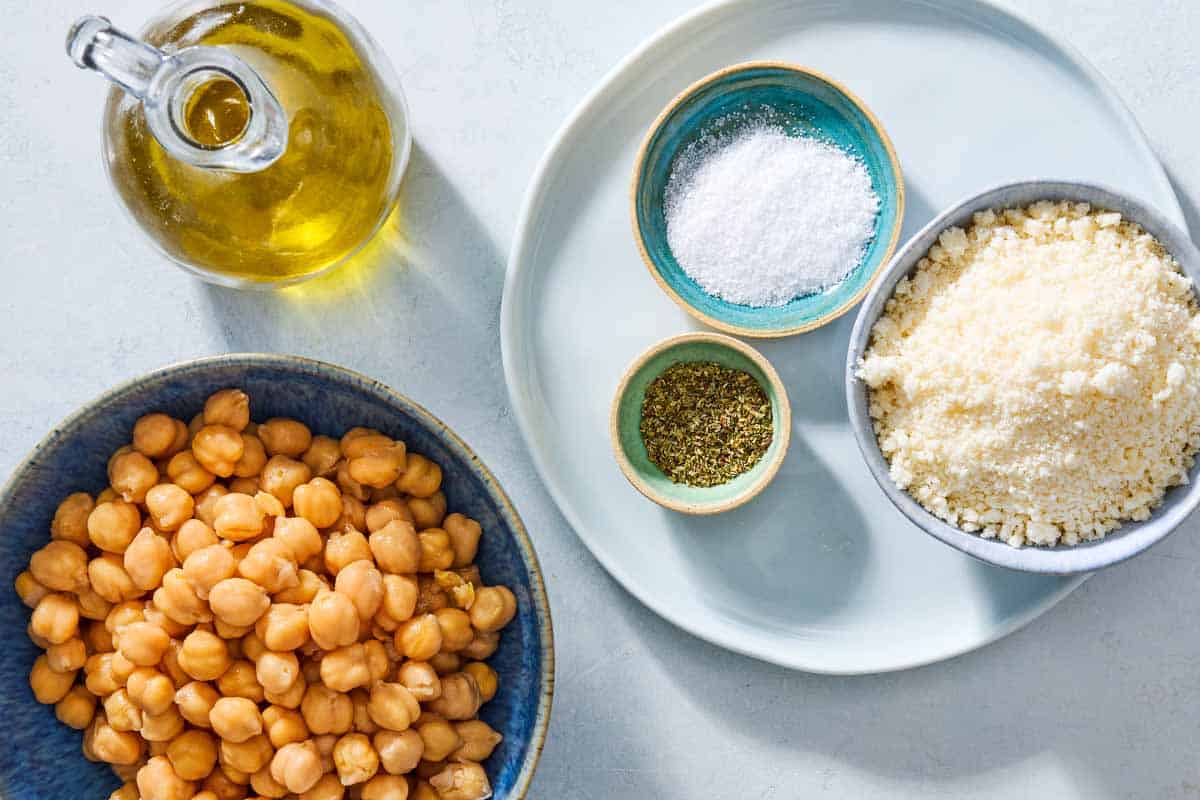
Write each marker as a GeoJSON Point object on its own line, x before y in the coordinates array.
{"type": "Point", "coordinates": [704, 424]}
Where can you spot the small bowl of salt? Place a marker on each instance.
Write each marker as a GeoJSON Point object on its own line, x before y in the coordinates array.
{"type": "Point", "coordinates": [766, 197]}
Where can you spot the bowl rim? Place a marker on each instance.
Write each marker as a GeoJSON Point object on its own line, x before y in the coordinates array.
{"type": "Point", "coordinates": [639, 165]}
{"type": "Point", "coordinates": [782, 426]}
{"type": "Point", "coordinates": [389, 395]}
{"type": "Point", "coordinates": [1132, 537]}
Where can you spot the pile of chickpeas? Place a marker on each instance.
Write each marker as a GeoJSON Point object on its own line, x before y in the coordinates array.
{"type": "Point", "coordinates": [251, 611]}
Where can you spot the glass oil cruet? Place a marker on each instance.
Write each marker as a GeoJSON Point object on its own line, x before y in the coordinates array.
{"type": "Point", "coordinates": [257, 143]}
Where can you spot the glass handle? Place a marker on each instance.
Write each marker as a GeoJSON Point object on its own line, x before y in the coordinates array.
{"type": "Point", "coordinates": [166, 82]}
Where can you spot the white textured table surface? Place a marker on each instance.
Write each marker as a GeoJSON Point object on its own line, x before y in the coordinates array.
{"type": "Point", "coordinates": [1100, 698]}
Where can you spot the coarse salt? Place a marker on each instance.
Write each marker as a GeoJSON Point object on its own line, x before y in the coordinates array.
{"type": "Point", "coordinates": [759, 217]}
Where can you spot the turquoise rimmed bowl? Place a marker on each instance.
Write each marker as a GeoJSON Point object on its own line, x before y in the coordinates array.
{"type": "Point", "coordinates": [43, 760]}
{"type": "Point", "coordinates": [626, 418]}
{"type": "Point", "coordinates": [804, 103]}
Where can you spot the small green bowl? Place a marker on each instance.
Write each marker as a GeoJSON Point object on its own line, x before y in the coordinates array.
{"type": "Point", "coordinates": [626, 417]}
{"type": "Point", "coordinates": [806, 103]}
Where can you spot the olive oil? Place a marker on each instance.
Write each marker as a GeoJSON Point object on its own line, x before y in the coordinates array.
{"type": "Point", "coordinates": [322, 199]}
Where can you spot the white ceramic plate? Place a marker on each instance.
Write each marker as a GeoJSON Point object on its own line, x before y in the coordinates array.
{"type": "Point", "coordinates": [820, 572]}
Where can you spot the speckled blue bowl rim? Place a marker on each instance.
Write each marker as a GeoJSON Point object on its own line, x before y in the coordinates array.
{"type": "Point", "coordinates": [390, 397]}
{"type": "Point", "coordinates": [639, 167]}
{"type": "Point", "coordinates": [1132, 537]}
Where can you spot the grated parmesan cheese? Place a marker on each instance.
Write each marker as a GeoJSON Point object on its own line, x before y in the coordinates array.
{"type": "Point", "coordinates": [1035, 379]}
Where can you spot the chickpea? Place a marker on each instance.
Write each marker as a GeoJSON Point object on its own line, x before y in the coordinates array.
{"type": "Point", "coordinates": [297, 766]}
{"type": "Point", "coordinates": [436, 552]}
{"type": "Point", "coordinates": [277, 672]}
{"type": "Point", "coordinates": [373, 459]}
{"type": "Point", "coordinates": [363, 723]}
{"type": "Point", "coordinates": [67, 656]}
{"type": "Point", "coordinates": [238, 517]}
{"type": "Point", "coordinates": [124, 614]}
{"type": "Point", "coordinates": [266, 786]}
{"type": "Point", "coordinates": [97, 638]}
{"type": "Point", "coordinates": [309, 585]}
{"type": "Point", "coordinates": [354, 514]}
{"type": "Point", "coordinates": [318, 501]}
{"type": "Point", "coordinates": [327, 788]}
{"type": "Point", "coordinates": [91, 605]}
{"type": "Point", "coordinates": [193, 535]}
{"type": "Point", "coordinates": [283, 627]}
{"type": "Point", "coordinates": [76, 708]}
{"type": "Point", "coordinates": [131, 474]}
{"type": "Point", "coordinates": [193, 754]}
{"type": "Point", "coordinates": [121, 713]}
{"type": "Point", "coordinates": [421, 680]}
{"type": "Point", "coordinates": [56, 618]}
{"type": "Point", "coordinates": [220, 787]}
{"type": "Point", "coordinates": [326, 711]}
{"type": "Point", "coordinates": [281, 476]}
{"type": "Point", "coordinates": [461, 781]}
{"type": "Point", "coordinates": [217, 448]}
{"type": "Point", "coordinates": [300, 536]}
{"type": "Point", "coordinates": [333, 620]}
{"type": "Point", "coordinates": [482, 646]}
{"type": "Point", "coordinates": [99, 675]}
{"type": "Point", "coordinates": [29, 589]}
{"type": "Point", "coordinates": [399, 596]}
{"type": "Point", "coordinates": [284, 725]}
{"type": "Point", "coordinates": [206, 503]}
{"type": "Point", "coordinates": [178, 600]}
{"type": "Point", "coordinates": [185, 471]}
{"type": "Point", "coordinates": [456, 629]}
{"type": "Point", "coordinates": [109, 579]}
{"type": "Point", "coordinates": [440, 738]}
{"type": "Point", "coordinates": [247, 757]}
{"type": "Point", "coordinates": [421, 477]}
{"type": "Point", "coordinates": [292, 697]}
{"type": "Point", "coordinates": [122, 668]}
{"type": "Point", "coordinates": [392, 706]}
{"type": "Point", "coordinates": [355, 759]}
{"type": "Point", "coordinates": [158, 780]}
{"type": "Point", "coordinates": [70, 519]}
{"type": "Point", "coordinates": [385, 787]}
{"type": "Point", "coordinates": [154, 435]}
{"type": "Point", "coordinates": [208, 566]}
{"type": "Point", "coordinates": [246, 486]}
{"type": "Point", "coordinates": [464, 534]}
{"type": "Point", "coordinates": [270, 564]}
{"type": "Point", "coordinates": [162, 727]}
{"type": "Point", "coordinates": [107, 495]}
{"type": "Point", "coordinates": [397, 547]}
{"type": "Point", "coordinates": [322, 456]}
{"type": "Point", "coordinates": [150, 690]}
{"type": "Point", "coordinates": [235, 719]}
{"type": "Point", "coordinates": [345, 548]}
{"type": "Point", "coordinates": [112, 526]}
{"type": "Point", "coordinates": [142, 643]}
{"type": "Point", "coordinates": [195, 701]}
{"type": "Point", "coordinates": [419, 638]}
{"type": "Point", "coordinates": [148, 557]}
{"type": "Point", "coordinates": [345, 668]}
{"type": "Point", "coordinates": [399, 751]}
{"type": "Point", "coordinates": [241, 680]}
{"type": "Point", "coordinates": [427, 512]}
{"type": "Point", "coordinates": [204, 656]}
{"type": "Point", "coordinates": [169, 505]}
{"type": "Point", "coordinates": [460, 698]}
{"type": "Point", "coordinates": [286, 437]}
{"type": "Point", "coordinates": [349, 486]}
{"type": "Point", "coordinates": [60, 565]}
{"type": "Point", "coordinates": [271, 507]}
{"type": "Point", "coordinates": [494, 607]}
{"type": "Point", "coordinates": [385, 511]}
{"type": "Point", "coordinates": [228, 407]}
{"type": "Point", "coordinates": [431, 596]}
{"type": "Point", "coordinates": [363, 584]}
{"type": "Point", "coordinates": [113, 746]}
{"type": "Point", "coordinates": [152, 614]}
{"type": "Point", "coordinates": [238, 601]}
{"type": "Point", "coordinates": [49, 686]}
{"type": "Point", "coordinates": [479, 740]}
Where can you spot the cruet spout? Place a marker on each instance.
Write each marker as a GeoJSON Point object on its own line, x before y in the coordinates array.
{"type": "Point", "coordinates": [204, 105]}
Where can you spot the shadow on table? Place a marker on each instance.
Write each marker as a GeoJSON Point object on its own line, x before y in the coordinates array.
{"type": "Point", "coordinates": [431, 274]}
{"type": "Point", "coordinates": [1104, 685]}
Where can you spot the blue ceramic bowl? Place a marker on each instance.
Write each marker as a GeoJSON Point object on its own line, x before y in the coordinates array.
{"type": "Point", "coordinates": [41, 759]}
{"type": "Point", "coordinates": [805, 103]}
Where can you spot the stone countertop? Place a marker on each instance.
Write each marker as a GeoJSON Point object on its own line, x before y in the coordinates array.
{"type": "Point", "coordinates": [1097, 699]}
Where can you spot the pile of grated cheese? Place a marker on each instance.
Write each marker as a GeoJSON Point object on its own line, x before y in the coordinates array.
{"type": "Point", "coordinates": [1035, 379]}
